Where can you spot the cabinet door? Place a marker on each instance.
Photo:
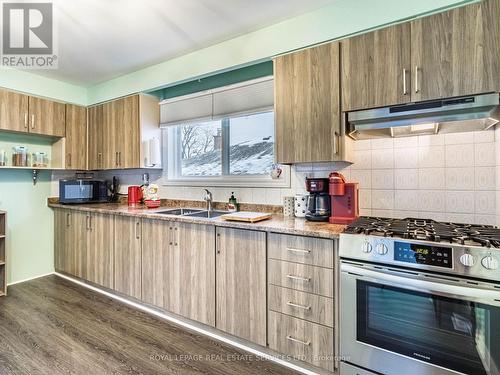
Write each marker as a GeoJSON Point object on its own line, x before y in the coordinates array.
{"type": "Point", "coordinates": [100, 250]}
{"type": "Point", "coordinates": [241, 283]}
{"type": "Point", "coordinates": [122, 133]}
{"type": "Point", "coordinates": [76, 137]}
{"type": "Point", "coordinates": [307, 105]}
{"type": "Point", "coordinates": [13, 111]}
{"type": "Point", "coordinates": [157, 241]}
{"type": "Point", "coordinates": [375, 68]}
{"type": "Point", "coordinates": [95, 137]}
{"type": "Point", "coordinates": [47, 117]}
{"type": "Point", "coordinates": [456, 52]}
{"type": "Point", "coordinates": [62, 222]}
{"type": "Point", "coordinates": [75, 256]}
{"type": "Point", "coordinates": [191, 272]}
{"type": "Point", "coordinates": [128, 254]}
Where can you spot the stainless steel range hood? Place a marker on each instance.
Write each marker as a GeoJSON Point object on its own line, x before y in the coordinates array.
{"type": "Point", "coordinates": [462, 114]}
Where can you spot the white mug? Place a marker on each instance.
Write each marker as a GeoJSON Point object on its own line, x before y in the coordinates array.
{"type": "Point", "coordinates": [300, 205]}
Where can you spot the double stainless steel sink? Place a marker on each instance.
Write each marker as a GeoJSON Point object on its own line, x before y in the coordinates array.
{"type": "Point", "coordinates": [189, 212]}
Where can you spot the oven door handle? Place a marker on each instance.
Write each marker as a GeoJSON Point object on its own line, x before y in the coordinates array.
{"type": "Point", "coordinates": [472, 294]}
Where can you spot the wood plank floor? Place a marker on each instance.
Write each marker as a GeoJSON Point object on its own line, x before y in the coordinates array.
{"type": "Point", "coordinates": [52, 326]}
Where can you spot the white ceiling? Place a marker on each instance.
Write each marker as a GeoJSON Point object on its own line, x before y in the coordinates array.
{"type": "Point", "coordinates": [102, 39]}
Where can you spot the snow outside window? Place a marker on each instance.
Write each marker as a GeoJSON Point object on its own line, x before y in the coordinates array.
{"type": "Point", "coordinates": [239, 148]}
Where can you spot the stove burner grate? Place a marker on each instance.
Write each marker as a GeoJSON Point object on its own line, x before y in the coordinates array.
{"type": "Point", "coordinates": [428, 230]}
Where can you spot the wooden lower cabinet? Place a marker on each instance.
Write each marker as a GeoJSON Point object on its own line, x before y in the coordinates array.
{"type": "Point", "coordinates": [304, 341]}
{"type": "Point", "coordinates": [241, 283]}
{"type": "Point", "coordinates": [100, 250]}
{"type": "Point", "coordinates": [128, 256]}
{"type": "Point", "coordinates": [70, 250]}
{"type": "Point", "coordinates": [178, 268]}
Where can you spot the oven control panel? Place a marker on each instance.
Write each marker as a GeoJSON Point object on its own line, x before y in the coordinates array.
{"type": "Point", "coordinates": [429, 255]}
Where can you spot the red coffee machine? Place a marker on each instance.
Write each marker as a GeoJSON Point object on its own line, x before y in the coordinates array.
{"type": "Point", "coordinates": [344, 199]}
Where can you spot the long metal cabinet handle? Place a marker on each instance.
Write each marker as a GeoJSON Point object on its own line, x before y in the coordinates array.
{"type": "Point", "coordinates": [120, 158]}
{"type": "Point", "coordinates": [416, 79]}
{"type": "Point", "coordinates": [116, 159]}
{"type": "Point", "coordinates": [405, 92]}
{"type": "Point", "coordinates": [304, 251]}
{"type": "Point", "coordinates": [26, 120]}
{"type": "Point", "coordinates": [306, 343]}
{"type": "Point", "coordinates": [87, 222]}
{"type": "Point", "coordinates": [68, 215]}
{"type": "Point", "coordinates": [299, 278]}
{"type": "Point", "coordinates": [69, 159]}
{"type": "Point", "coordinates": [218, 243]}
{"type": "Point", "coordinates": [137, 224]}
{"type": "Point", "coordinates": [99, 159]}
{"type": "Point", "coordinates": [32, 121]}
{"type": "Point", "coordinates": [292, 304]}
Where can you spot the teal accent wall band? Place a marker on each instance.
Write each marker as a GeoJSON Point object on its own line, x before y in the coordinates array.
{"type": "Point", "coordinates": [218, 80]}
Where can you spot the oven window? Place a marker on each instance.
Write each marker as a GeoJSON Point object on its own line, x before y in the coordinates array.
{"type": "Point", "coordinates": [455, 334]}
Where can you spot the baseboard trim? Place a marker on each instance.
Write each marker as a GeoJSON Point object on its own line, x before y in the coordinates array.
{"type": "Point", "coordinates": [192, 327]}
{"type": "Point", "coordinates": [31, 278]}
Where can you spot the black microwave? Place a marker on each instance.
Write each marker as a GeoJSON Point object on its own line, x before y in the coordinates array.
{"type": "Point", "coordinates": [82, 191]}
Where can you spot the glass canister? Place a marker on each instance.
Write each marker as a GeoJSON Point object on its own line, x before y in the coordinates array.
{"type": "Point", "coordinates": [3, 158]}
{"type": "Point", "coordinates": [20, 156]}
{"type": "Point", "coordinates": [40, 160]}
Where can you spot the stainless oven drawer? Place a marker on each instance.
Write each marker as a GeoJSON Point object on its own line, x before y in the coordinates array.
{"type": "Point", "coordinates": [301, 277]}
{"type": "Point", "coordinates": [347, 369]}
{"type": "Point", "coordinates": [301, 305]}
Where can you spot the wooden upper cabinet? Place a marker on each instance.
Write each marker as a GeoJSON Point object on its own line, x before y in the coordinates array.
{"type": "Point", "coordinates": [47, 117]}
{"type": "Point", "coordinates": [76, 137]}
{"type": "Point", "coordinates": [115, 133]}
{"type": "Point", "coordinates": [376, 68]}
{"type": "Point", "coordinates": [241, 284]}
{"type": "Point", "coordinates": [456, 52]}
{"type": "Point", "coordinates": [95, 137]}
{"type": "Point", "coordinates": [13, 111]}
{"type": "Point", "coordinates": [307, 105]}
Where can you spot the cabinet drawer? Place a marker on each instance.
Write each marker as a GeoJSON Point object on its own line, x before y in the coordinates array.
{"type": "Point", "coordinates": [301, 277]}
{"type": "Point", "coordinates": [302, 340]}
{"type": "Point", "coordinates": [302, 305]}
{"type": "Point", "coordinates": [307, 250]}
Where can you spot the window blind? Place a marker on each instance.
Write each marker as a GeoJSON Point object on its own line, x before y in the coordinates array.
{"type": "Point", "coordinates": [245, 98]}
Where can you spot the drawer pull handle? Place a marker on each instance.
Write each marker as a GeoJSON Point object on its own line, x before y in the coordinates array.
{"type": "Point", "coordinates": [299, 278]}
{"type": "Point", "coordinates": [306, 343]}
{"type": "Point", "coordinates": [290, 303]}
{"type": "Point", "coordinates": [303, 251]}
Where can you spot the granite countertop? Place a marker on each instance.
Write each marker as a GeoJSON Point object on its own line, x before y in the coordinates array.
{"type": "Point", "coordinates": [278, 223]}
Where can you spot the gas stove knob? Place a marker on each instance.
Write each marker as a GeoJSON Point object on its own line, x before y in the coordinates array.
{"type": "Point", "coordinates": [367, 247]}
{"type": "Point", "coordinates": [467, 260]}
{"type": "Point", "coordinates": [381, 249]}
{"type": "Point", "coordinates": [489, 262]}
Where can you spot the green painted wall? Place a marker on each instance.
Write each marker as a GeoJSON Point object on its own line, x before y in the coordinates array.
{"type": "Point", "coordinates": [342, 18]}
{"type": "Point", "coordinates": [34, 84]}
{"type": "Point", "coordinates": [30, 230]}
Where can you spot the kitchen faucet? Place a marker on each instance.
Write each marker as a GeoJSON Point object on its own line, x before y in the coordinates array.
{"type": "Point", "coordinates": [208, 198]}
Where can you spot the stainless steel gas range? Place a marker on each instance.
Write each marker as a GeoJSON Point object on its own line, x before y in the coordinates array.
{"type": "Point", "coordinates": [419, 297]}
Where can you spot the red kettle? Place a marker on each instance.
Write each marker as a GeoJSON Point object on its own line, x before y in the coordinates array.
{"type": "Point", "coordinates": [337, 183]}
{"type": "Point", "coordinates": [134, 195]}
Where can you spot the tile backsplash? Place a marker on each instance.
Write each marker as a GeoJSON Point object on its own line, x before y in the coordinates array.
{"type": "Point", "coordinates": [451, 177]}
{"type": "Point", "coordinates": [448, 177]}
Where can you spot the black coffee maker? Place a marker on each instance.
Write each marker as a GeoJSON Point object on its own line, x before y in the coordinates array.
{"type": "Point", "coordinates": [318, 201]}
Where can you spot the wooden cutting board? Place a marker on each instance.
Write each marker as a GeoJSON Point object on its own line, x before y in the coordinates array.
{"type": "Point", "coordinates": [249, 217]}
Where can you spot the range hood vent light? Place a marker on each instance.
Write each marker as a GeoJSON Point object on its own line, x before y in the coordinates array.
{"type": "Point", "coordinates": [473, 113]}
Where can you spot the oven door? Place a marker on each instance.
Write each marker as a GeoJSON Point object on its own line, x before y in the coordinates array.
{"type": "Point", "coordinates": [398, 322]}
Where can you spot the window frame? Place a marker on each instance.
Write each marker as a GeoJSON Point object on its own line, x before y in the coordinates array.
{"type": "Point", "coordinates": [172, 175]}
